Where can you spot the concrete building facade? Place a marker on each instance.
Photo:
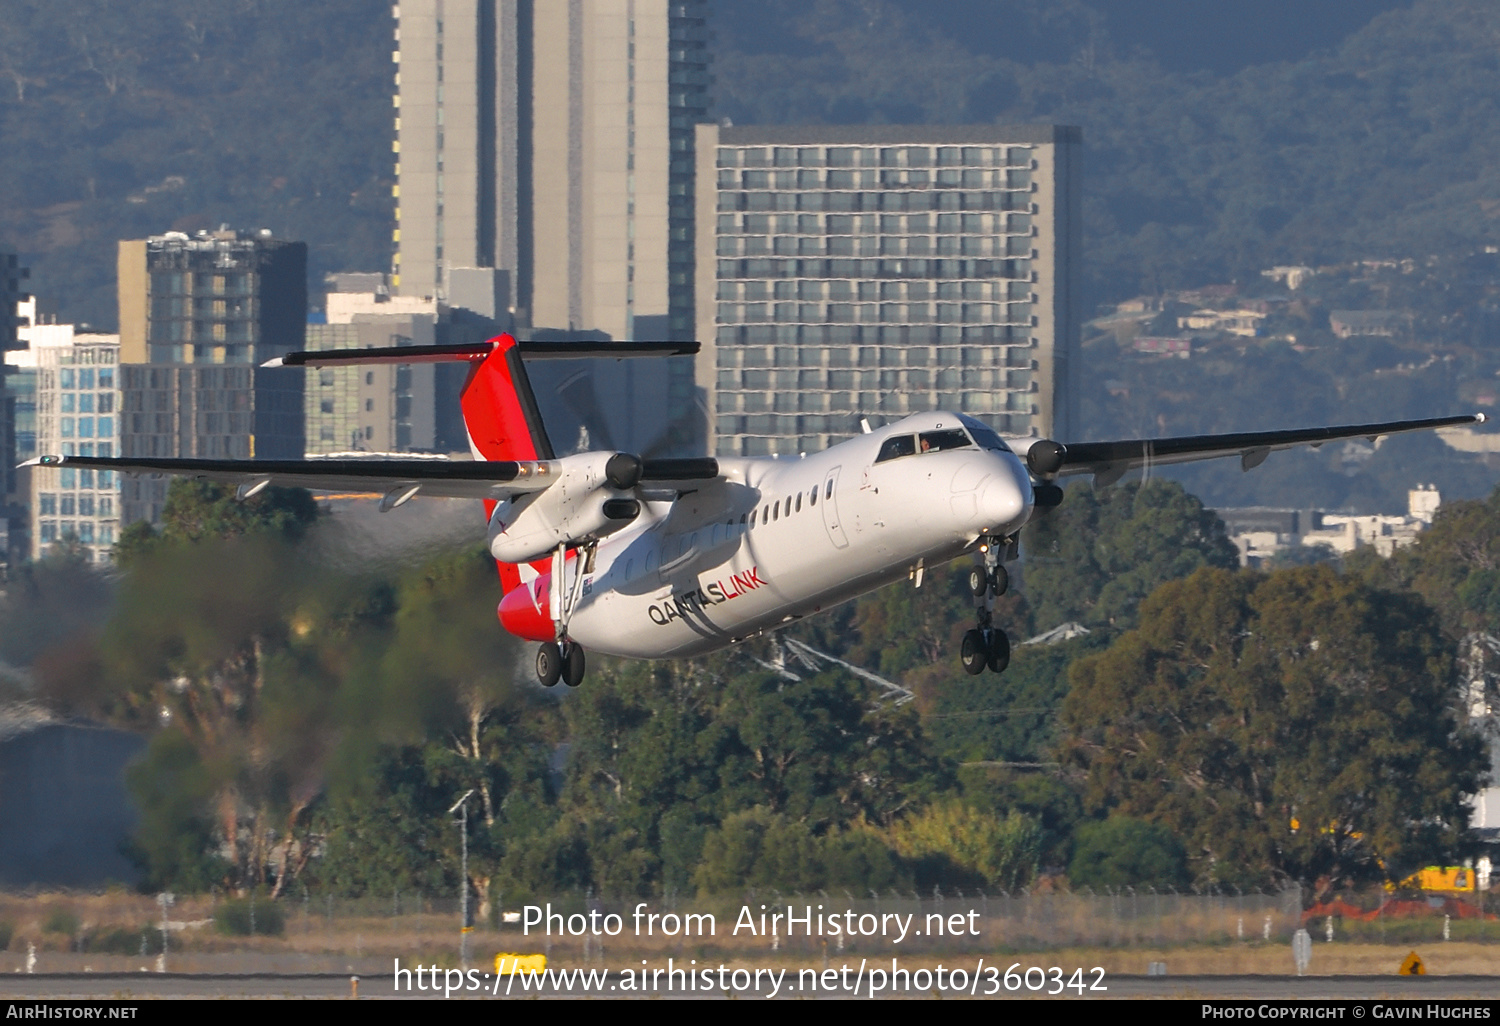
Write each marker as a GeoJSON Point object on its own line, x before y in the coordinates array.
{"type": "Point", "coordinates": [552, 144]}
{"type": "Point", "coordinates": [876, 271]}
{"type": "Point", "coordinates": [198, 316]}
{"type": "Point", "coordinates": [376, 408]}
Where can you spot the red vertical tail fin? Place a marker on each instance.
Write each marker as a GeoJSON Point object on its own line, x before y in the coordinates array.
{"type": "Point", "coordinates": [503, 422]}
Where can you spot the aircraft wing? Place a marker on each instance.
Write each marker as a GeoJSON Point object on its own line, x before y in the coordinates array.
{"type": "Point", "coordinates": [1108, 461]}
{"type": "Point", "coordinates": [397, 479]}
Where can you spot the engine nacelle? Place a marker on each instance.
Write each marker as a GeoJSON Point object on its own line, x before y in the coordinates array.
{"type": "Point", "coordinates": [590, 499]}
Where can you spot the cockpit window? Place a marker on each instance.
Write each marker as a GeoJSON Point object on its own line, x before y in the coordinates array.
{"type": "Point", "coordinates": [937, 441]}
{"type": "Point", "coordinates": [987, 439]}
{"type": "Point", "coordinates": [895, 448]}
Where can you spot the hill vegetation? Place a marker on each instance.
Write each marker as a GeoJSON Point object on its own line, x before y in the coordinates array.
{"type": "Point", "coordinates": [1219, 140]}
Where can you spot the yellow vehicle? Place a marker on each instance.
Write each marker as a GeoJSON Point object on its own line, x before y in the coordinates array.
{"type": "Point", "coordinates": [506, 962]}
{"type": "Point", "coordinates": [1442, 879]}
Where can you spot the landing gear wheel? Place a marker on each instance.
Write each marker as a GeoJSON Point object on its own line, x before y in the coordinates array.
{"type": "Point", "coordinates": [549, 664]}
{"type": "Point", "coordinates": [572, 667]}
{"type": "Point", "coordinates": [973, 652]}
{"type": "Point", "coordinates": [999, 650]}
{"type": "Point", "coordinates": [978, 582]}
{"type": "Point", "coordinates": [999, 580]}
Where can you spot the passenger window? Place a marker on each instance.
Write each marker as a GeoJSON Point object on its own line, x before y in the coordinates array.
{"type": "Point", "coordinates": [752, 517]}
{"type": "Point", "coordinates": [799, 502]}
{"type": "Point", "coordinates": [629, 569]}
{"type": "Point", "coordinates": [776, 510]}
{"type": "Point", "coordinates": [812, 497]}
{"type": "Point", "coordinates": [650, 561]}
{"type": "Point", "coordinates": [938, 441]}
{"type": "Point", "coordinates": [895, 448]}
{"type": "Point", "coordinates": [829, 493]}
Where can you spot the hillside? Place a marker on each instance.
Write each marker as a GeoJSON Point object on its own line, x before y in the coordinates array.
{"type": "Point", "coordinates": [1219, 140]}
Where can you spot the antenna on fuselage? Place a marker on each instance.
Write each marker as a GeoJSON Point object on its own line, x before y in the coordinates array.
{"type": "Point", "coordinates": [864, 425]}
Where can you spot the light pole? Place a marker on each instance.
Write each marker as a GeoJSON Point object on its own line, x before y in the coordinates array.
{"type": "Point", "coordinates": [462, 808]}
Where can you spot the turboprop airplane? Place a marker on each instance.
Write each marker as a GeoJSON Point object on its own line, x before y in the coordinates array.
{"type": "Point", "coordinates": [661, 558]}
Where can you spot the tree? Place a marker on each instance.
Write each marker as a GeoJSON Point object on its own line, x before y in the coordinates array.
{"type": "Point", "coordinates": [758, 848]}
{"type": "Point", "coordinates": [1095, 557]}
{"type": "Point", "coordinates": [954, 843]}
{"type": "Point", "coordinates": [1297, 725]}
{"type": "Point", "coordinates": [197, 510]}
{"type": "Point", "coordinates": [1454, 565]}
{"type": "Point", "coordinates": [1122, 851]}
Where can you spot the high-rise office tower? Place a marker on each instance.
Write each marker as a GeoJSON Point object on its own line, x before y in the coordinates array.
{"type": "Point", "coordinates": [884, 270]}
{"type": "Point", "coordinates": [553, 143]}
{"type": "Point", "coordinates": [12, 482]}
{"type": "Point", "coordinates": [76, 413]}
{"type": "Point", "coordinates": [198, 316]}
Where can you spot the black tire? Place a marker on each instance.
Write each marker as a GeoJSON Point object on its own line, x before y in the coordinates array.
{"type": "Point", "coordinates": [572, 668]}
{"type": "Point", "coordinates": [549, 664]}
{"type": "Point", "coordinates": [1001, 580]}
{"type": "Point", "coordinates": [973, 653]}
{"type": "Point", "coordinates": [978, 584]}
{"type": "Point", "coordinates": [999, 651]}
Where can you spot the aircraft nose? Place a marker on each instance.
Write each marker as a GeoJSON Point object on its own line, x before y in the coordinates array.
{"type": "Point", "coordinates": [1007, 498]}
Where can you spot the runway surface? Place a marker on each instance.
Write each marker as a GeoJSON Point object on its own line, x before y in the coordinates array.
{"type": "Point", "coordinates": [125, 986]}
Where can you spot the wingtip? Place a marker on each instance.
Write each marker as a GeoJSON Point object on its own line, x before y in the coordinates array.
{"type": "Point", "coordinates": [1480, 418]}
{"type": "Point", "coordinates": [274, 361]}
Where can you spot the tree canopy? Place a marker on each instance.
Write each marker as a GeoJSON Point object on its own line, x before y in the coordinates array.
{"type": "Point", "coordinates": [1297, 725]}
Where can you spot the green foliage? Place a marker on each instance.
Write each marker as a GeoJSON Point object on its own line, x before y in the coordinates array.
{"type": "Point", "coordinates": [1098, 555]}
{"type": "Point", "coordinates": [1125, 852]}
{"type": "Point", "coordinates": [1041, 794]}
{"type": "Point", "coordinates": [1245, 702]}
{"type": "Point", "coordinates": [758, 848]}
{"type": "Point", "coordinates": [955, 843]}
{"type": "Point", "coordinates": [61, 920]}
{"type": "Point", "coordinates": [49, 605]}
{"type": "Point", "coordinates": [174, 792]}
{"type": "Point", "coordinates": [7, 931]}
{"type": "Point", "coordinates": [1007, 718]}
{"type": "Point", "coordinates": [250, 916]}
{"type": "Point", "coordinates": [1452, 565]}
{"type": "Point", "coordinates": [199, 510]}
{"type": "Point", "coordinates": [122, 941]}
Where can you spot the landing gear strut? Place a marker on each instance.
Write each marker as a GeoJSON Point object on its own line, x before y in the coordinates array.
{"type": "Point", "coordinates": [986, 644]}
{"type": "Point", "coordinates": [562, 659]}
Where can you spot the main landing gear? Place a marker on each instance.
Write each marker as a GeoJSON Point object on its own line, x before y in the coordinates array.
{"type": "Point", "coordinates": [986, 645]}
{"type": "Point", "coordinates": [562, 659]}
{"type": "Point", "coordinates": [559, 661]}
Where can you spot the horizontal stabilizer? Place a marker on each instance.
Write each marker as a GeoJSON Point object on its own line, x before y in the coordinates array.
{"type": "Point", "coordinates": [473, 351]}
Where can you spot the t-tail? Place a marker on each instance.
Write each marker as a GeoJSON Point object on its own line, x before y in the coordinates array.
{"type": "Point", "coordinates": [500, 411]}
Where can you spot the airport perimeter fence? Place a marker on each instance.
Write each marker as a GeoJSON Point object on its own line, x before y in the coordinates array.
{"type": "Point", "coordinates": [937, 921]}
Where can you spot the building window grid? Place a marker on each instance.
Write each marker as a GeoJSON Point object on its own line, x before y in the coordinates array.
{"type": "Point", "coordinates": [993, 379]}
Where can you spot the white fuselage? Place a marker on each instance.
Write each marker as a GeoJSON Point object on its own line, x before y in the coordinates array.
{"type": "Point", "coordinates": [774, 540]}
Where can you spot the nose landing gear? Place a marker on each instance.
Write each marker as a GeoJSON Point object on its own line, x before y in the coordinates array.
{"type": "Point", "coordinates": [986, 644]}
